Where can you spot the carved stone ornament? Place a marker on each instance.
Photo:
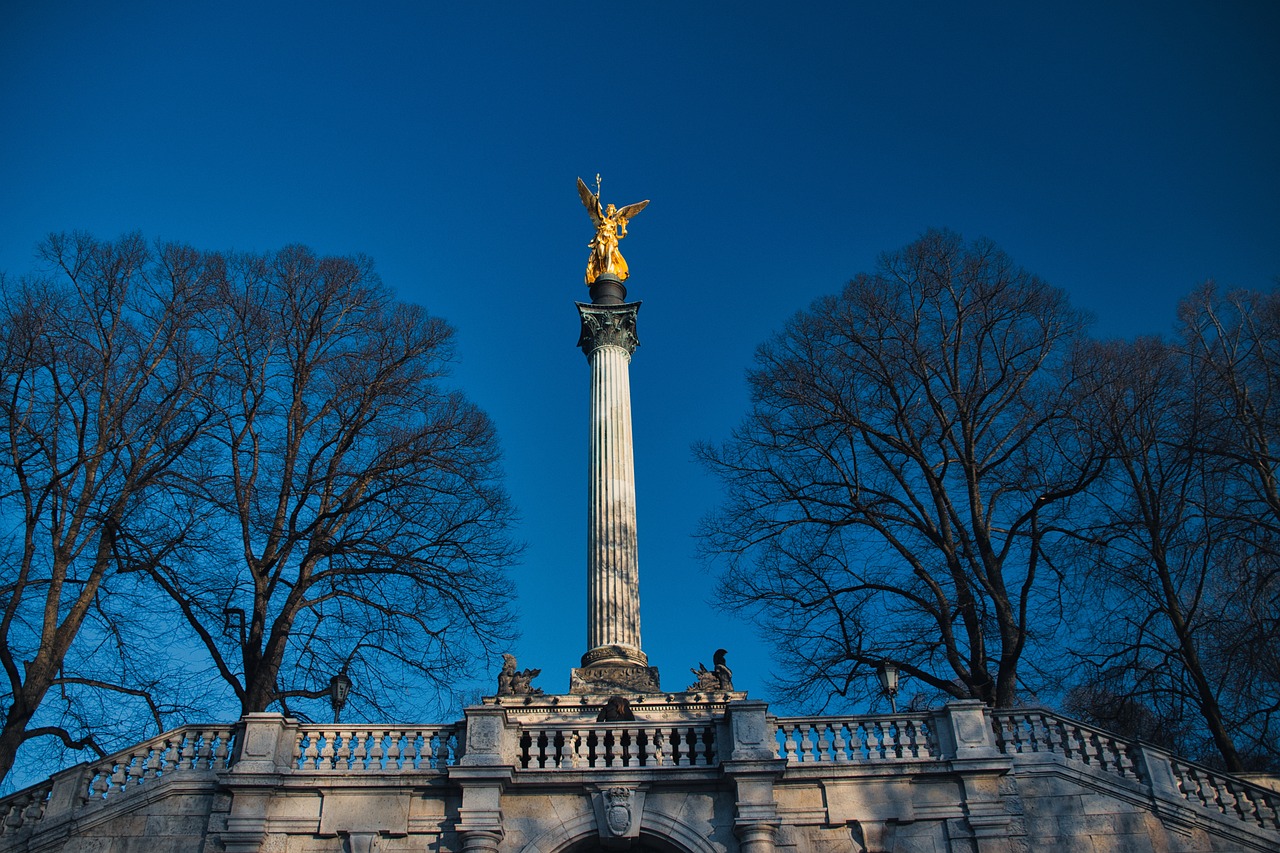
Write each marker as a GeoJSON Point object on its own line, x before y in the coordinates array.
{"type": "Point", "coordinates": [614, 679]}
{"type": "Point", "coordinates": [619, 813]}
{"type": "Point", "coordinates": [711, 680]}
{"type": "Point", "coordinates": [517, 682]}
{"type": "Point", "coordinates": [617, 810]}
{"type": "Point", "coordinates": [610, 325]}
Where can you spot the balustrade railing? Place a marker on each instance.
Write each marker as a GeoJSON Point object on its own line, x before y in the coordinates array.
{"type": "Point", "coordinates": [854, 740]}
{"type": "Point", "coordinates": [337, 749]}
{"type": "Point", "coordinates": [583, 746]}
{"type": "Point", "coordinates": [1022, 732]}
{"type": "Point", "coordinates": [1229, 795]}
{"type": "Point", "coordinates": [186, 748]}
{"type": "Point", "coordinates": [189, 748]}
{"type": "Point", "coordinates": [24, 807]}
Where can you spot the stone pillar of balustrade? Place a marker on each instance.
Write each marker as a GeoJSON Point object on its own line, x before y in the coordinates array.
{"type": "Point", "coordinates": [614, 661]}
{"type": "Point", "coordinates": [264, 751]}
{"type": "Point", "coordinates": [967, 739]}
{"type": "Point", "coordinates": [1155, 769]}
{"type": "Point", "coordinates": [67, 794]}
{"type": "Point", "coordinates": [754, 766]}
{"type": "Point", "coordinates": [487, 766]}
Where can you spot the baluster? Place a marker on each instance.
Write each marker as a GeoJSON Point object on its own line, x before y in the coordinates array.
{"type": "Point", "coordinates": [394, 751]}
{"type": "Point", "coordinates": [410, 751]}
{"type": "Point", "coordinates": [224, 748]}
{"type": "Point", "coordinates": [889, 739]}
{"type": "Point", "coordinates": [442, 751]}
{"type": "Point", "coordinates": [169, 756]}
{"type": "Point", "coordinates": [562, 748]}
{"type": "Point", "coordinates": [659, 748]}
{"type": "Point", "coordinates": [838, 744]}
{"type": "Point", "coordinates": [135, 766]}
{"type": "Point", "coordinates": [1051, 739]}
{"type": "Point", "coordinates": [328, 752]}
{"type": "Point", "coordinates": [626, 747]}
{"type": "Point", "coordinates": [1001, 729]}
{"type": "Point", "coordinates": [873, 741]}
{"type": "Point", "coordinates": [311, 754]}
{"type": "Point", "coordinates": [35, 807]}
{"type": "Point", "coordinates": [376, 752]}
{"type": "Point", "coordinates": [1264, 804]}
{"type": "Point", "coordinates": [155, 758]}
{"type": "Point", "coordinates": [117, 779]}
{"type": "Point", "coordinates": [100, 785]}
{"type": "Point", "coordinates": [806, 742]}
{"type": "Point", "coordinates": [789, 743]}
{"type": "Point", "coordinates": [581, 749]}
{"type": "Point", "coordinates": [1128, 769]}
{"type": "Point", "coordinates": [1212, 793]}
{"type": "Point", "coordinates": [187, 758]}
{"type": "Point", "coordinates": [356, 747]}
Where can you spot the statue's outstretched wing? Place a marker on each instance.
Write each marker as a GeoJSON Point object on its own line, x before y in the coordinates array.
{"type": "Point", "coordinates": [591, 202]}
{"type": "Point", "coordinates": [631, 210]}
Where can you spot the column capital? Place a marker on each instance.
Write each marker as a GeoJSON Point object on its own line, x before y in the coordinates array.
{"type": "Point", "coordinates": [608, 325]}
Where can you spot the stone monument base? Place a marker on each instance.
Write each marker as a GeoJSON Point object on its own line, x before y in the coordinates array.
{"type": "Point", "coordinates": [611, 678]}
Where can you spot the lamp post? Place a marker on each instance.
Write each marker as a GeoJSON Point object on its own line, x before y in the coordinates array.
{"type": "Point", "coordinates": [888, 674]}
{"type": "Point", "coordinates": [339, 688]}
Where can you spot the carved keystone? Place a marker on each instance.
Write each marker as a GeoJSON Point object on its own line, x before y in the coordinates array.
{"type": "Point", "coordinates": [619, 810]}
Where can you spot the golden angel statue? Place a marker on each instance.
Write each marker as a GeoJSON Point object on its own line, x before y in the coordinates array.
{"type": "Point", "coordinates": [611, 226]}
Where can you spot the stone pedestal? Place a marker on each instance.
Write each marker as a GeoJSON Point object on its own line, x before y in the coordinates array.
{"type": "Point", "coordinates": [614, 661]}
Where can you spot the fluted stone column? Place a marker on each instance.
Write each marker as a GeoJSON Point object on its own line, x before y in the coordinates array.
{"type": "Point", "coordinates": [614, 661]}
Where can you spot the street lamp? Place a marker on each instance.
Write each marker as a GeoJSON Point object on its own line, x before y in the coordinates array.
{"type": "Point", "coordinates": [339, 688]}
{"type": "Point", "coordinates": [889, 683]}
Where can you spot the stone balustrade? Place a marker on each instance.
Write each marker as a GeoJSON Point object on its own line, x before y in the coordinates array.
{"type": "Point", "coordinates": [852, 740]}
{"type": "Point", "coordinates": [188, 750]}
{"type": "Point", "coordinates": [24, 807]}
{"type": "Point", "coordinates": [1228, 795]}
{"type": "Point", "coordinates": [1031, 731]}
{"type": "Point", "coordinates": [412, 749]}
{"type": "Point", "coordinates": [586, 746]}
{"type": "Point", "coordinates": [742, 740]}
{"type": "Point", "coordinates": [1035, 730]}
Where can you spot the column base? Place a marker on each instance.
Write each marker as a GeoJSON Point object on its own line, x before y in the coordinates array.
{"type": "Point", "coordinates": [613, 678]}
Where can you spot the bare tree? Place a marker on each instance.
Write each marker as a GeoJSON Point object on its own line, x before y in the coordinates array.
{"type": "Point", "coordinates": [352, 512]}
{"type": "Point", "coordinates": [893, 488]}
{"type": "Point", "coordinates": [1158, 551]}
{"type": "Point", "coordinates": [1186, 564]}
{"type": "Point", "coordinates": [98, 383]}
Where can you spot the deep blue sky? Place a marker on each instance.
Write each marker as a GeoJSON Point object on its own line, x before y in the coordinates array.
{"type": "Point", "coordinates": [1125, 154]}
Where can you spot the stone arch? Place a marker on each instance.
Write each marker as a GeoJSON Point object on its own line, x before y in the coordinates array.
{"type": "Point", "coordinates": [666, 833]}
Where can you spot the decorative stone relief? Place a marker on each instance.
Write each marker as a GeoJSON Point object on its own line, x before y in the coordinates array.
{"type": "Point", "coordinates": [618, 811]}
{"type": "Point", "coordinates": [614, 679]}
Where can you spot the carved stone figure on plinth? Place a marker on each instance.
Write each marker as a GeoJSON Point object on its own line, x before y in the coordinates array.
{"type": "Point", "coordinates": [720, 677]}
{"type": "Point", "coordinates": [514, 682]}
